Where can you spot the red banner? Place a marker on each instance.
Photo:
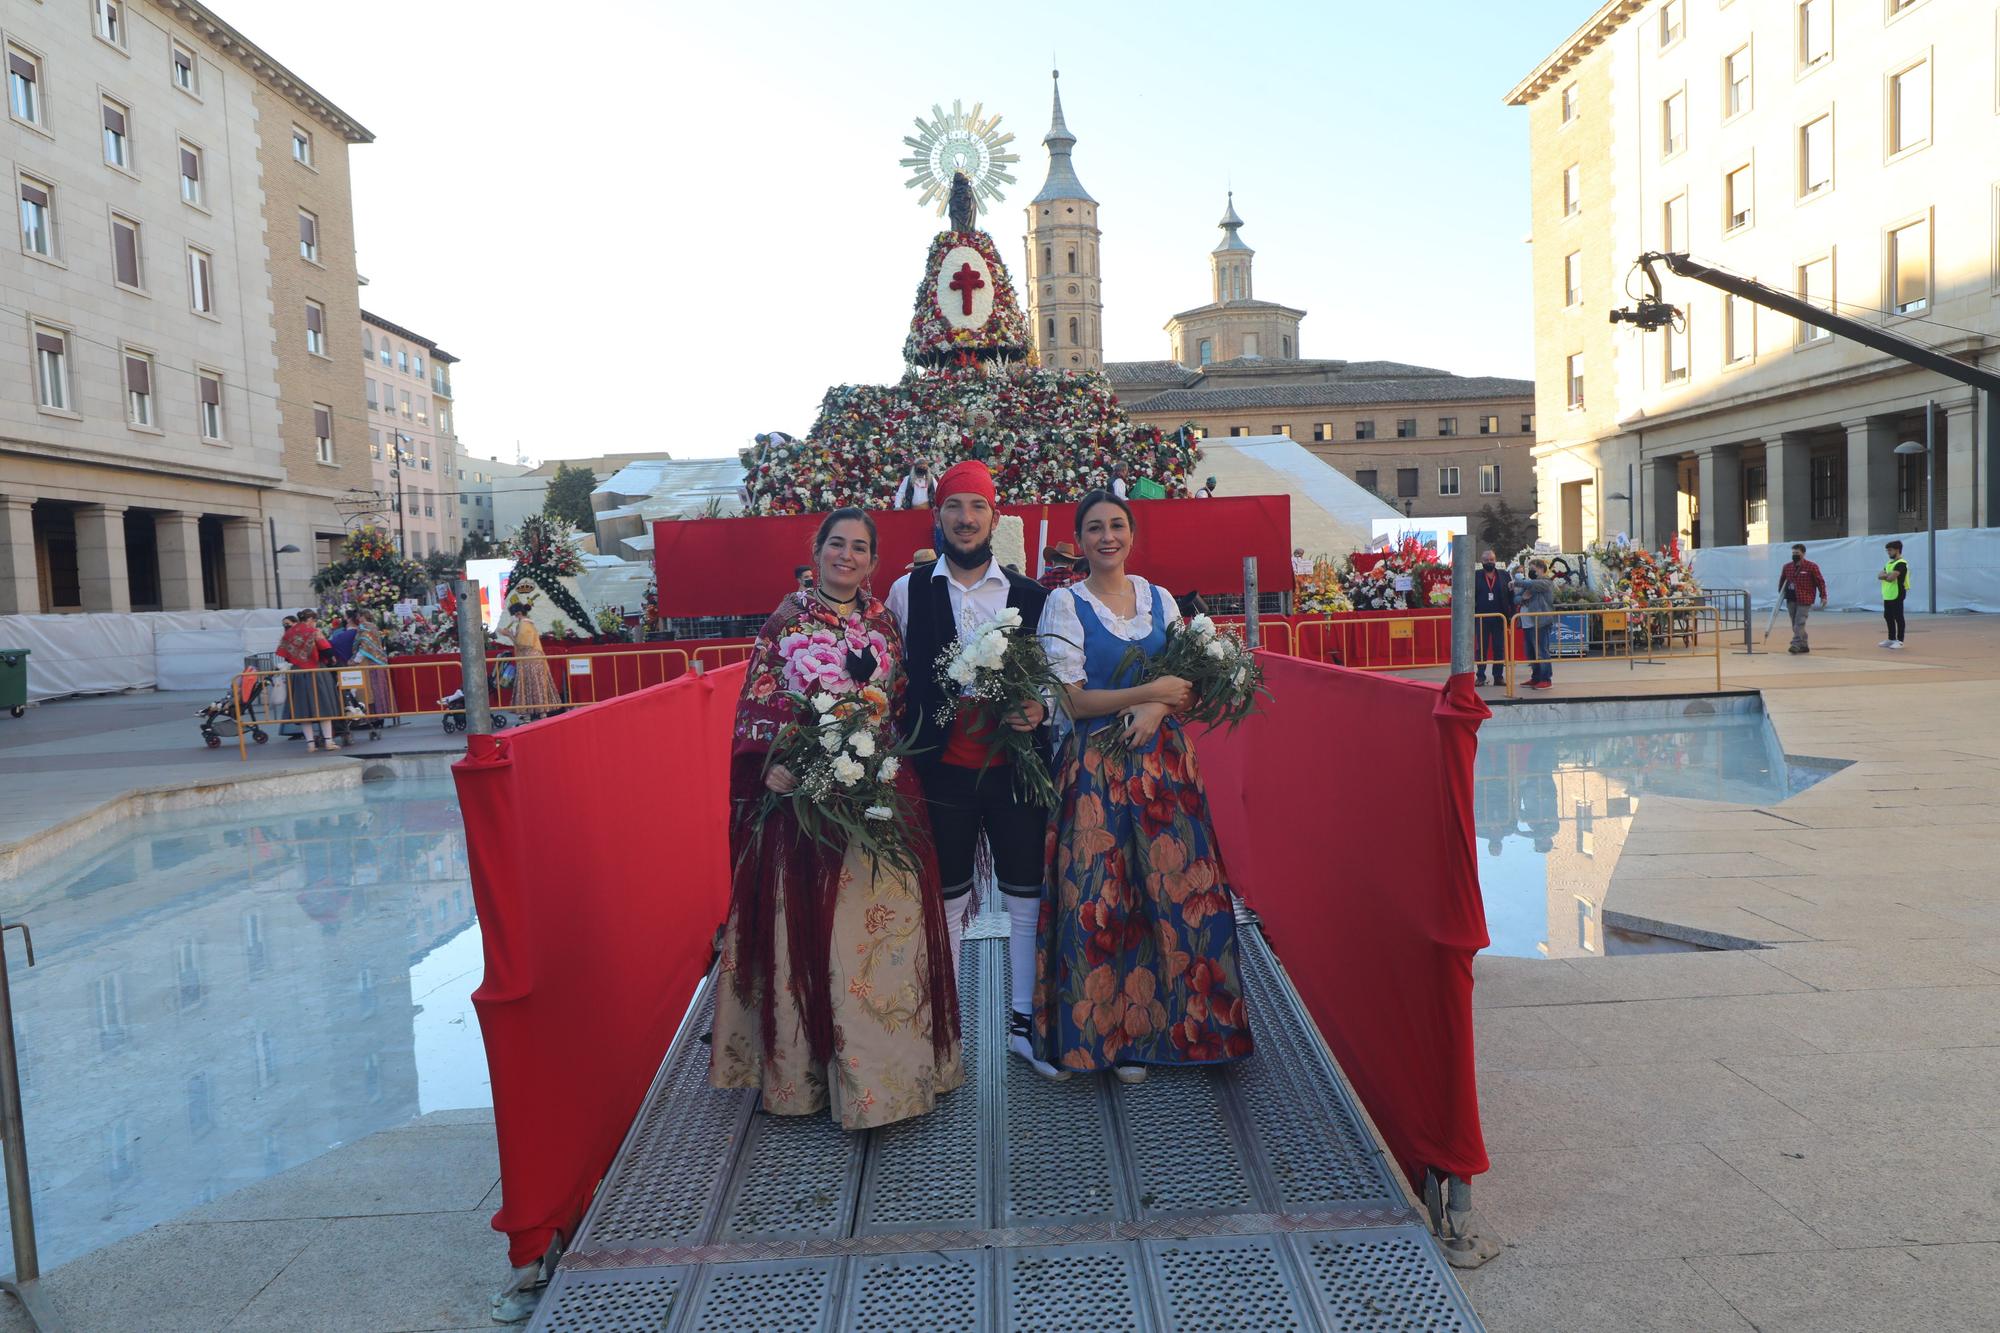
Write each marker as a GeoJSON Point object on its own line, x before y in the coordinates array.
{"type": "Point", "coordinates": [743, 566]}
{"type": "Point", "coordinates": [1345, 817]}
{"type": "Point", "coordinates": [598, 900]}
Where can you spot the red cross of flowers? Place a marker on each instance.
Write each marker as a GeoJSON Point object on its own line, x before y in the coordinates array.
{"type": "Point", "coordinates": [966, 283]}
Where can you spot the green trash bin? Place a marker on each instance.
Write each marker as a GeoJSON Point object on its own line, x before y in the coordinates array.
{"type": "Point", "coordinates": [14, 680]}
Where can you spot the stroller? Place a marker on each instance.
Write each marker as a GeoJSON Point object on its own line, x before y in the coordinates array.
{"type": "Point", "coordinates": [453, 704]}
{"type": "Point", "coordinates": [219, 719]}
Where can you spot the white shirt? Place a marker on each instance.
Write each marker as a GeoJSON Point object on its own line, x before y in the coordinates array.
{"type": "Point", "coordinates": [970, 607]}
{"type": "Point", "coordinates": [913, 492]}
{"type": "Point", "coordinates": [1118, 487]}
{"type": "Point", "coordinates": [1062, 630]}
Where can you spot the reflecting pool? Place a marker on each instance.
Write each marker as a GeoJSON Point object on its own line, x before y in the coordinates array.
{"type": "Point", "coordinates": [221, 995]}
{"type": "Point", "coordinates": [1555, 794]}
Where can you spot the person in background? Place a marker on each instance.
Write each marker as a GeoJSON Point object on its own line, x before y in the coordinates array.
{"type": "Point", "coordinates": [1534, 592]}
{"type": "Point", "coordinates": [1118, 487]}
{"type": "Point", "coordinates": [1797, 582]}
{"type": "Point", "coordinates": [534, 686]}
{"type": "Point", "coordinates": [371, 652]}
{"type": "Point", "coordinates": [915, 491]}
{"type": "Point", "coordinates": [1492, 596]}
{"type": "Point", "coordinates": [347, 629]}
{"type": "Point", "coordinates": [1300, 565]}
{"type": "Point", "coordinates": [1207, 491]}
{"type": "Point", "coordinates": [803, 576]}
{"type": "Point", "coordinates": [309, 692]}
{"type": "Point", "coordinates": [1895, 579]}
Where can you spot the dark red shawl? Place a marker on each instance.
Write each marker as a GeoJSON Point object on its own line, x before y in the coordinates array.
{"type": "Point", "coordinates": [811, 872]}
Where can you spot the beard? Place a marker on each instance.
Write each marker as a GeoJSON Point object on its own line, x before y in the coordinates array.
{"type": "Point", "coordinates": [977, 558]}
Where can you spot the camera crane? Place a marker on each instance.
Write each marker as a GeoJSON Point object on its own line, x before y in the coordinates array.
{"type": "Point", "coordinates": [1656, 313]}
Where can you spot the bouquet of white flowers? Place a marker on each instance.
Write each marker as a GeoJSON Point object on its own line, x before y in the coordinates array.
{"type": "Point", "coordinates": [1221, 668]}
{"type": "Point", "coordinates": [1000, 668]}
{"type": "Point", "coordinates": [839, 748]}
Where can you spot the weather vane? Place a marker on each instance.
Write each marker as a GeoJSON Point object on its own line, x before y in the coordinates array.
{"type": "Point", "coordinates": [959, 141]}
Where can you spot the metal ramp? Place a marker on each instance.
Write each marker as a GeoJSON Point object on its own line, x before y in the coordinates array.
{"type": "Point", "coordinates": [1234, 1198]}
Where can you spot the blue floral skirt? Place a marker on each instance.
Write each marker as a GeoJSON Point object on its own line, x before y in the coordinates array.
{"type": "Point", "coordinates": [1137, 958]}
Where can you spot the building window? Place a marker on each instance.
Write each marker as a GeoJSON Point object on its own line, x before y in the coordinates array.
{"type": "Point", "coordinates": [1815, 32]}
{"type": "Point", "coordinates": [1815, 155]}
{"type": "Point", "coordinates": [1673, 124]}
{"type": "Point", "coordinates": [403, 361]}
{"type": "Point", "coordinates": [1447, 481]}
{"type": "Point", "coordinates": [1674, 225]}
{"type": "Point", "coordinates": [323, 432]}
{"type": "Point", "coordinates": [368, 348]}
{"type": "Point", "coordinates": [1207, 346]}
{"type": "Point", "coordinates": [1673, 21]}
{"type": "Point", "coordinates": [1741, 330]}
{"type": "Point", "coordinates": [1072, 261]}
{"type": "Point", "coordinates": [139, 388]}
{"type": "Point", "coordinates": [386, 360]}
{"type": "Point", "coordinates": [444, 420]}
{"type": "Point", "coordinates": [109, 21]}
{"type": "Point", "coordinates": [24, 86]}
{"type": "Point", "coordinates": [191, 191]}
{"type": "Point", "coordinates": [1736, 82]}
{"type": "Point", "coordinates": [1910, 107]}
{"type": "Point", "coordinates": [1250, 347]}
{"type": "Point", "coordinates": [184, 70]}
{"type": "Point", "coordinates": [1573, 375]}
{"type": "Point", "coordinates": [1365, 478]}
{"type": "Point", "coordinates": [1573, 278]}
{"type": "Point", "coordinates": [1322, 431]}
{"type": "Point", "coordinates": [423, 411]}
{"type": "Point", "coordinates": [1909, 484]}
{"type": "Point", "coordinates": [1282, 428]}
{"type": "Point", "coordinates": [1406, 483]}
{"type": "Point", "coordinates": [302, 145]}
{"type": "Point", "coordinates": [417, 364]}
{"type": "Point", "coordinates": [375, 444]}
{"type": "Point", "coordinates": [1489, 425]}
{"type": "Point", "coordinates": [210, 391]}
{"type": "Point", "coordinates": [404, 404]}
{"type": "Point", "coordinates": [1406, 428]}
{"type": "Point", "coordinates": [1756, 494]}
{"type": "Point", "coordinates": [373, 401]}
{"type": "Point", "coordinates": [1447, 426]}
{"type": "Point", "coordinates": [1675, 343]}
{"type": "Point", "coordinates": [1568, 103]}
{"type": "Point", "coordinates": [1236, 432]}
{"type": "Point", "coordinates": [52, 368]}
{"type": "Point", "coordinates": [1364, 430]}
{"type": "Point", "coordinates": [1527, 423]}
{"type": "Point", "coordinates": [1826, 497]}
{"type": "Point", "coordinates": [1285, 342]}
{"type": "Point", "coordinates": [1572, 190]}
{"type": "Point", "coordinates": [1074, 337]}
{"type": "Point", "coordinates": [125, 252]}
{"type": "Point", "coordinates": [1910, 268]}
{"type": "Point", "coordinates": [315, 328]}
{"type": "Point", "coordinates": [308, 236]}
{"type": "Point", "coordinates": [1489, 479]}
{"type": "Point", "coordinates": [1816, 285]}
{"type": "Point", "coordinates": [117, 140]}
{"type": "Point", "coordinates": [1736, 198]}
{"type": "Point", "coordinates": [201, 284]}
{"type": "Point", "coordinates": [38, 218]}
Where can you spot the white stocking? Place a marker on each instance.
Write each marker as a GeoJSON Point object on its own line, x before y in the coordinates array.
{"type": "Point", "coordinates": [1023, 914]}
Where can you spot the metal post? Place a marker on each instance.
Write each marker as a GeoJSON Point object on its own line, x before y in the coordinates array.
{"type": "Point", "coordinates": [20, 1203]}
{"type": "Point", "coordinates": [277, 594]}
{"type": "Point", "coordinates": [1462, 650]}
{"type": "Point", "coordinates": [472, 659]}
{"type": "Point", "coordinates": [1251, 634]}
{"type": "Point", "coordinates": [1930, 494]}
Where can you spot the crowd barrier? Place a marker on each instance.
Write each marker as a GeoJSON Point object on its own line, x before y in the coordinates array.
{"type": "Point", "coordinates": [1648, 633]}
{"type": "Point", "coordinates": [1364, 875]}
{"type": "Point", "coordinates": [597, 902]}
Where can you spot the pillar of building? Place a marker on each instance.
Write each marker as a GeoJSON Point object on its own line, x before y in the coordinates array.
{"type": "Point", "coordinates": [1788, 487]}
{"type": "Point", "coordinates": [1958, 424]}
{"type": "Point", "coordinates": [242, 565]}
{"type": "Point", "coordinates": [20, 589]}
{"type": "Point", "coordinates": [1662, 512]}
{"type": "Point", "coordinates": [1871, 476]}
{"type": "Point", "coordinates": [1721, 468]}
{"type": "Point", "coordinates": [104, 583]}
{"type": "Point", "coordinates": [177, 538]}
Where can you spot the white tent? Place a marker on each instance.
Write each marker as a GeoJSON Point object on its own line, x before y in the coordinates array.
{"type": "Point", "coordinates": [629, 502]}
{"type": "Point", "coordinates": [1331, 516]}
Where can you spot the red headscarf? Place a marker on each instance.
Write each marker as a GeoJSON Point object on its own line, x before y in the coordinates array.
{"type": "Point", "coordinates": [970, 477]}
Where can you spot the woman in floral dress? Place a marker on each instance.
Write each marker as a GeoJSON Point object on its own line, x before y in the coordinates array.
{"type": "Point", "coordinates": [835, 988]}
{"type": "Point", "coordinates": [1137, 964]}
{"type": "Point", "coordinates": [534, 688]}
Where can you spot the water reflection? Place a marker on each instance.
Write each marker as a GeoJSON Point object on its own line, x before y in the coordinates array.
{"type": "Point", "coordinates": [1554, 802]}
{"type": "Point", "coordinates": [220, 996]}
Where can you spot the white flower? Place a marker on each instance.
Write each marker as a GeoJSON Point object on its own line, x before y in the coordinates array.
{"type": "Point", "coordinates": [960, 670]}
{"type": "Point", "coordinates": [1215, 649]}
{"type": "Point", "coordinates": [829, 741]}
{"type": "Point", "coordinates": [891, 766]}
{"type": "Point", "coordinates": [1009, 617]}
{"type": "Point", "coordinates": [862, 743]}
{"type": "Point", "coordinates": [847, 770]}
{"type": "Point", "coordinates": [877, 812]}
{"type": "Point", "coordinates": [824, 702]}
{"type": "Point", "coordinates": [1202, 627]}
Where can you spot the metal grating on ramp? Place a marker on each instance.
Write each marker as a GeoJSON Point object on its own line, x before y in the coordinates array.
{"type": "Point", "coordinates": [1246, 1196]}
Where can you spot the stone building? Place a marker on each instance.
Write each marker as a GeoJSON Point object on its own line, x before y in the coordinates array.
{"type": "Point", "coordinates": [412, 446]}
{"type": "Point", "coordinates": [1839, 151]}
{"type": "Point", "coordinates": [1065, 300]}
{"type": "Point", "coordinates": [184, 398]}
{"type": "Point", "coordinates": [480, 482]}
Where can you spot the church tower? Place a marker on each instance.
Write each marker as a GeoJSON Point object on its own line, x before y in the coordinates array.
{"type": "Point", "coordinates": [1065, 310]}
{"type": "Point", "coordinates": [1229, 262]}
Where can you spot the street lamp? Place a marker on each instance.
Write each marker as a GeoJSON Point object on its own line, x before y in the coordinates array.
{"type": "Point", "coordinates": [277, 592]}
{"type": "Point", "coordinates": [396, 460]}
{"type": "Point", "coordinates": [1929, 450]}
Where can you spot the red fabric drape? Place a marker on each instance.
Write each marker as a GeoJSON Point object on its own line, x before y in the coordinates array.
{"type": "Point", "coordinates": [742, 566]}
{"type": "Point", "coordinates": [599, 851]}
{"type": "Point", "coordinates": [1345, 816]}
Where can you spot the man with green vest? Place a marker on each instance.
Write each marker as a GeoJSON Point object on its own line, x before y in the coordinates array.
{"type": "Point", "coordinates": [1895, 577]}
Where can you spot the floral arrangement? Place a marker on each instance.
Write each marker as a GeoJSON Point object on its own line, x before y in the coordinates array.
{"type": "Point", "coordinates": [838, 744]}
{"type": "Point", "coordinates": [1439, 595]}
{"type": "Point", "coordinates": [1319, 593]}
{"type": "Point", "coordinates": [649, 604]}
{"type": "Point", "coordinates": [1373, 585]}
{"type": "Point", "coordinates": [934, 340]}
{"type": "Point", "coordinates": [1222, 669]}
{"type": "Point", "coordinates": [370, 551]}
{"type": "Point", "coordinates": [544, 552]}
{"type": "Point", "coordinates": [370, 545]}
{"type": "Point", "coordinates": [1636, 577]}
{"type": "Point", "coordinates": [416, 634]}
{"type": "Point", "coordinates": [1003, 669]}
{"type": "Point", "coordinates": [367, 588]}
{"type": "Point", "coordinates": [610, 622]}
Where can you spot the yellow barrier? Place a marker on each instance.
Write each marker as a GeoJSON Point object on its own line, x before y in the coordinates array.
{"type": "Point", "coordinates": [1651, 631]}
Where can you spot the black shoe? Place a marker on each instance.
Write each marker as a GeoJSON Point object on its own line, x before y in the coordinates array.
{"type": "Point", "coordinates": [1479, 679]}
{"type": "Point", "coordinates": [1020, 1041]}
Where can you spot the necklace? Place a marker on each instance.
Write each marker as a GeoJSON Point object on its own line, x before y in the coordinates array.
{"type": "Point", "coordinates": [836, 603]}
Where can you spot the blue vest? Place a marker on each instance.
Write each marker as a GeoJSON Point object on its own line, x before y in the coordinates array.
{"type": "Point", "coordinates": [1104, 653]}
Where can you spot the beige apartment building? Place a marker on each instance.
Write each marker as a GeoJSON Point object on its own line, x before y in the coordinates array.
{"type": "Point", "coordinates": [412, 445]}
{"type": "Point", "coordinates": [183, 399]}
{"type": "Point", "coordinates": [1839, 150]}
{"type": "Point", "coordinates": [482, 482]}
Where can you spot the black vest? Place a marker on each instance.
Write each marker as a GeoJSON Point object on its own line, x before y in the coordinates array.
{"type": "Point", "coordinates": [932, 630]}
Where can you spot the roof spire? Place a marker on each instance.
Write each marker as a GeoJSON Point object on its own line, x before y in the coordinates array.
{"type": "Point", "coordinates": [1230, 222]}
{"type": "Point", "coordinates": [1062, 182]}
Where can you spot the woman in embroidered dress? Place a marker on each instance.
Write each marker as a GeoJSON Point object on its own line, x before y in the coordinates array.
{"type": "Point", "coordinates": [371, 652]}
{"type": "Point", "coordinates": [835, 989]}
{"type": "Point", "coordinates": [1137, 961]}
{"type": "Point", "coordinates": [534, 688]}
{"type": "Point", "coordinates": [309, 688]}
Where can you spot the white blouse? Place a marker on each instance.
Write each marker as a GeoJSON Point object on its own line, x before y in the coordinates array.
{"type": "Point", "coordinates": [1062, 630]}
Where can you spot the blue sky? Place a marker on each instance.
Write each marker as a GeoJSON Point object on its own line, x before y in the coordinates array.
{"type": "Point", "coordinates": [669, 226]}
